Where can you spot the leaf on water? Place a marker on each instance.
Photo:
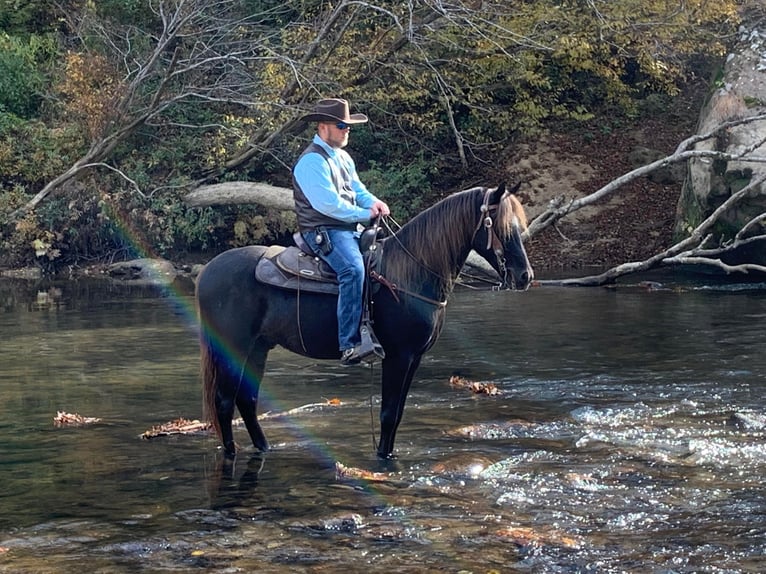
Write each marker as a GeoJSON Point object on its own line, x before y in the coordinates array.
{"type": "Point", "coordinates": [63, 419]}
{"type": "Point", "coordinates": [525, 536]}
{"type": "Point", "coordinates": [347, 472]}
{"type": "Point", "coordinates": [474, 386]}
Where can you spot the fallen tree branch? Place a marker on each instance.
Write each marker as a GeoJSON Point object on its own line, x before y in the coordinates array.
{"type": "Point", "coordinates": [185, 426]}
{"type": "Point", "coordinates": [63, 419]}
{"type": "Point", "coordinates": [757, 220]}
{"type": "Point", "coordinates": [689, 250]}
{"type": "Point", "coordinates": [697, 138]}
{"type": "Point", "coordinates": [741, 268]}
{"type": "Point", "coordinates": [343, 472]}
{"type": "Point", "coordinates": [177, 426]}
{"type": "Point", "coordinates": [240, 193]}
{"type": "Point", "coordinates": [718, 251]}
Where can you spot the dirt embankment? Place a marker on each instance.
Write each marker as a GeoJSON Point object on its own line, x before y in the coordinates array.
{"type": "Point", "coordinates": [634, 223]}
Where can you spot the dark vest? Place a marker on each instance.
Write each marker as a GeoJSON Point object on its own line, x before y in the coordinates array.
{"type": "Point", "coordinates": [308, 217]}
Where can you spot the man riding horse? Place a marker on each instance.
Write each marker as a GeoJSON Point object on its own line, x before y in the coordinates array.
{"type": "Point", "coordinates": [330, 201]}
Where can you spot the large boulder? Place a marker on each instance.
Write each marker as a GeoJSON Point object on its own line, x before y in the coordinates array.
{"type": "Point", "coordinates": [739, 93]}
{"type": "Point", "coordinates": [145, 271]}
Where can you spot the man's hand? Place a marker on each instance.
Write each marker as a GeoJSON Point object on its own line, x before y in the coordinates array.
{"type": "Point", "coordinates": [379, 208]}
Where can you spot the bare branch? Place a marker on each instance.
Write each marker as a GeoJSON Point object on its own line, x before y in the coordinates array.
{"type": "Point", "coordinates": [697, 138]}
{"type": "Point", "coordinates": [117, 171]}
{"type": "Point", "coordinates": [687, 251]}
{"type": "Point", "coordinates": [759, 219]}
{"type": "Point", "coordinates": [741, 268]}
{"type": "Point", "coordinates": [199, 39]}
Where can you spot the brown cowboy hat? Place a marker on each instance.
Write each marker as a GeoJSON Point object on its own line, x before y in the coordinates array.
{"type": "Point", "coordinates": [333, 110]}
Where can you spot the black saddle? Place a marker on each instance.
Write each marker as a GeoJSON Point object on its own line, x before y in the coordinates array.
{"type": "Point", "coordinates": [297, 268]}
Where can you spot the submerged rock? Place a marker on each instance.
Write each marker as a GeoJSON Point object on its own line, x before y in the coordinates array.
{"type": "Point", "coordinates": [748, 421]}
{"type": "Point", "coordinates": [493, 431]}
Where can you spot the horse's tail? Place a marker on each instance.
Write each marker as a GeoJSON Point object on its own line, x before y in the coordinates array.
{"type": "Point", "coordinates": [208, 367]}
{"type": "Point", "coordinates": [209, 377]}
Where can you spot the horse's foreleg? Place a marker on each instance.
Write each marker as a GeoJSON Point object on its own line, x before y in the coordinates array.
{"type": "Point", "coordinates": [247, 399]}
{"type": "Point", "coordinates": [397, 376]}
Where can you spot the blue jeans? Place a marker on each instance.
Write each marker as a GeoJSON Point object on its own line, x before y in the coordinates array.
{"type": "Point", "coordinates": [346, 260]}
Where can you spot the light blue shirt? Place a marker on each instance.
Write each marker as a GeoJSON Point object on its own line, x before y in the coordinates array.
{"type": "Point", "coordinates": [314, 176]}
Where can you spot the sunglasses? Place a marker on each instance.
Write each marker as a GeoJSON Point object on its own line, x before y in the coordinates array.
{"type": "Point", "coordinates": [342, 125]}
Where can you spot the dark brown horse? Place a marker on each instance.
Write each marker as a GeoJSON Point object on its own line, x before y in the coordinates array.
{"type": "Point", "coordinates": [243, 319]}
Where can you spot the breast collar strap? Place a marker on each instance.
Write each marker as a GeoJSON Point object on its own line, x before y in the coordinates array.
{"type": "Point", "coordinates": [395, 290]}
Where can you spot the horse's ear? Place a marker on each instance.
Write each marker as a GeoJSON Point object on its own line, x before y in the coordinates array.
{"type": "Point", "coordinates": [497, 194]}
{"type": "Point", "coordinates": [501, 190]}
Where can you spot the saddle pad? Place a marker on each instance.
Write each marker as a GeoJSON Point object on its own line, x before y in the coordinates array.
{"type": "Point", "coordinates": [292, 269]}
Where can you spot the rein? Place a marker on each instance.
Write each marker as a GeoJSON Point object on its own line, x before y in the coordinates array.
{"type": "Point", "coordinates": [410, 254]}
{"type": "Point", "coordinates": [396, 289]}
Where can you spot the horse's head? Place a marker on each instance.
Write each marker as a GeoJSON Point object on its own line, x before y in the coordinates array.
{"type": "Point", "coordinates": [498, 237]}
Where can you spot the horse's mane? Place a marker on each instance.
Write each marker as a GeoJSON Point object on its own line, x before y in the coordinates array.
{"type": "Point", "coordinates": [432, 244]}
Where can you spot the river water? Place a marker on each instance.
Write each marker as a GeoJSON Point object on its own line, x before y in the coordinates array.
{"type": "Point", "coordinates": [626, 433]}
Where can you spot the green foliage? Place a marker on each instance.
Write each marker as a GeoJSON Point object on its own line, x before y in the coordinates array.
{"type": "Point", "coordinates": [29, 241]}
{"type": "Point", "coordinates": [433, 79]}
{"type": "Point", "coordinates": [256, 226]}
{"type": "Point", "coordinates": [21, 78]}
{"type": "Point", "coordinates": [159, 225]}
{"type": "Point", "coordinates": [171, 227]}
{"type": "Point", "coordinates": [752, 102]}
{"type": "Point", "coordinates": [15, 241]}
{"type": "Point", "coordinates": [107, 226]}
{"type": "Point", "coordinates": [27, 16]}
{"type": "Point", "coordinates": [31, 154]}
{"type": "Point", "coordinates": [25, 242]}
{"type": "Point", "coordinates": [405, 188]}
{"type": "Point", "coordinates": [134, 12]}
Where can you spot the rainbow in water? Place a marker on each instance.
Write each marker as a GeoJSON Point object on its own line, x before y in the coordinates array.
{"type": "Point", "coordinates": [177, 295]}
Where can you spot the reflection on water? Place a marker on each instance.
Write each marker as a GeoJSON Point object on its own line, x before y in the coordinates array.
{"type": "Point", "coordinates": [629, 436]}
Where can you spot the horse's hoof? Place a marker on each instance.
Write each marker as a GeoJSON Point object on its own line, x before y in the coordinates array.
{"type": "Point", "coordinates": [389, 464]}
{"type": "Point", "coordinates": [389, 456]}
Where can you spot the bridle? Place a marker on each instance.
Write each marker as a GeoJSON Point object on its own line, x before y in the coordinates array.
{"type": "Point", "coordinates": [493, 241]}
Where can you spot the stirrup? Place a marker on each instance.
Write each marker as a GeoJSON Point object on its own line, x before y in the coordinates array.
{"type": "Point", "coordinates": [370, 349]}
